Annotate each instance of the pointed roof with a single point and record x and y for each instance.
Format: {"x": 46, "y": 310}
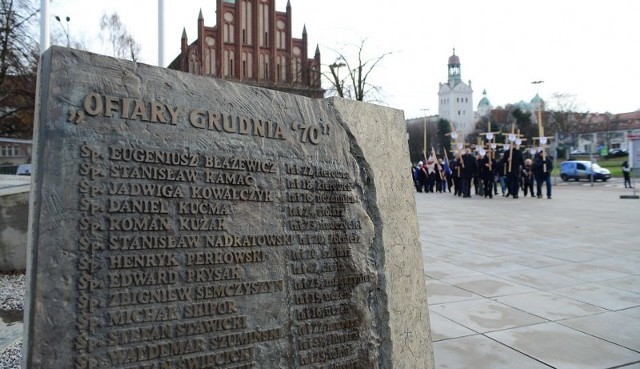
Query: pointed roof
{"x": 454, "y": 59}
{"x": 484, "y": 101}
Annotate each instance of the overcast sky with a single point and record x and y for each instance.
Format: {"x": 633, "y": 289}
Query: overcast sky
{"x": 585, "y": 48}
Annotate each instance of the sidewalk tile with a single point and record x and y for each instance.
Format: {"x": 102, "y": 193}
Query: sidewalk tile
{"x": 612, "y": 326}
{"x": 599, "y": 295}
{"x": 487, "y": 285}
{"x": 480, "y": 352}
{"x": 550, "y": 306}
{"x": 566, "y": 348}
{"x": 485, "y": 315}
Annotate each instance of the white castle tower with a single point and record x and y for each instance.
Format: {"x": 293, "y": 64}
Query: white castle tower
{"x": 456, "y": 98}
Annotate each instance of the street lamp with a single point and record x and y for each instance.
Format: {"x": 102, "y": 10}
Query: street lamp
{"x": 66, "y": 31}
{"x": 424, "y": 147}
{"x": 539, "y": 105}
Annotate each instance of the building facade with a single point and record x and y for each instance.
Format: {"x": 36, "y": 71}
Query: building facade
{"x": 14, "y": 151}
{"x": 593, "y": 132}
{"x": 252, "y": 43}
{"x": 456, "y": 98}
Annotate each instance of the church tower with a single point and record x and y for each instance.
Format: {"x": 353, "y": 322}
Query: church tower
{"x": 484, "y": 105}
{"x": 253, "y": 43}
{"x": 456, "y": 98}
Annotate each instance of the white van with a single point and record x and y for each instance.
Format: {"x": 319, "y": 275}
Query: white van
{"x": 23, "y": 170}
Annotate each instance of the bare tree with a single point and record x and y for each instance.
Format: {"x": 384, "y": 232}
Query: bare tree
{"x": 355, "y": 85}
{"x": 121, "y": 42}
{"x": 18, "y": 67}
{"x": 563, "y": 118}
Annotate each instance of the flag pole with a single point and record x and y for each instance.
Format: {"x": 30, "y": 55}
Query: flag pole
{"x": 44, "y": 26}
{"x": 161, "y": 33}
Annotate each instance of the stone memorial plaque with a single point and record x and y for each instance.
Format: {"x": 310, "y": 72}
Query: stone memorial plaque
{"x": 182, "y": 222}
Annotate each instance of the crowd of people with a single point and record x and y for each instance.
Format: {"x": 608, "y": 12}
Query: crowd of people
{"x": 511, "y": 173}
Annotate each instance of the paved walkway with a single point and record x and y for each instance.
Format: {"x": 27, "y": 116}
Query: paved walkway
{"x": 534, "y": 283}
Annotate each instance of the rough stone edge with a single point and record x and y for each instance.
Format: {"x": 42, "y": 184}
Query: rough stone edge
{"x": 377, "y": 130}
{"x": 40, "y": 116}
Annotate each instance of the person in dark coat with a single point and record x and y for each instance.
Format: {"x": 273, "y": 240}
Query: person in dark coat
{"x": 423, "y": 177}
{"x": 514, "y": 164}
{"x": 468, "y": 171}
{"x": 542, "y": 168}
{"x": 487, "y": 166}
{"x": 527, "y": 178}
{"x": 626, "y": 172}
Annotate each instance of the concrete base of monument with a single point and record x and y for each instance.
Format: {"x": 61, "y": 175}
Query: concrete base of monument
{"x": 14, "y": 214}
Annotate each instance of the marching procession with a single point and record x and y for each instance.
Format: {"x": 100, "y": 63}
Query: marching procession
{"x": 513, "y": 171}
{"x": 488, "y": 176}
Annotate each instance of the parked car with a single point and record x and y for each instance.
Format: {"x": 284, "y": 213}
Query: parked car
{"x": 617, "y": 153}
{"x": 579, "y": 152}
{"x": 582, "y": 169}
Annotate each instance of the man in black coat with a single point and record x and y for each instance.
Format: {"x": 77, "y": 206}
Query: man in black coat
{"x": 468, "y": 171}
{"x": 542, "y": 168}
{"x": 487, "y": 167}
{"x": 514, "y": 164}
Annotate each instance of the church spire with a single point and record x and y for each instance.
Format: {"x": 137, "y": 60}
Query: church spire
{"x": 455, "y": 75}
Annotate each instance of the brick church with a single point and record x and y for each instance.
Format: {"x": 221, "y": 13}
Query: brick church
{"x": 252, "y": 43}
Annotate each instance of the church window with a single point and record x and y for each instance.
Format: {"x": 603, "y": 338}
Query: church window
{"x": 263, "y": 29}
{"x": 246, "y": 24}
{"x": 228, "y": 33}
{"x": 295, "y": 69}
{"x": 458, "y": 112}
{"x": 212, "y": 62}
{"x": 193, "y": 64}
{"x": 206, "y": 63}
{"x": 228, "y": 65}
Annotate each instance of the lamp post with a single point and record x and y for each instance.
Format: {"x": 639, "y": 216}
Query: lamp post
{"x": 424, "y": 147}
{"x": 161, "y": 33}
{"x": 65, "y": 30}
{"x": 539, "y": 109}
